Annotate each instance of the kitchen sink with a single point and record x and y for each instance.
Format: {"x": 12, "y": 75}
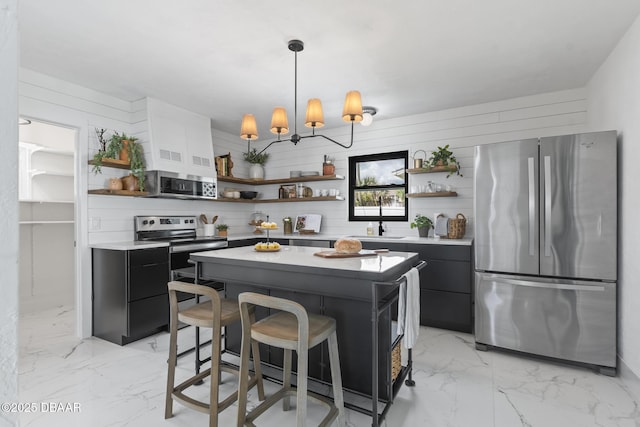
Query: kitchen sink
{"x": 377, "y": 237}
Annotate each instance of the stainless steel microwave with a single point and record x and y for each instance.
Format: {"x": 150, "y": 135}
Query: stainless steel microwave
{"x": 179, "y": 185}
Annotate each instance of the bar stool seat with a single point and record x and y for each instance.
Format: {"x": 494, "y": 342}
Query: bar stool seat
{"x": 215, "y": 314}
{"x": 292, "y": 328}
{"x": 201, "y": 314}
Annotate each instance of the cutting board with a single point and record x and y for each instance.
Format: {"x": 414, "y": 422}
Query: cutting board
{"x": 362, "y": 253}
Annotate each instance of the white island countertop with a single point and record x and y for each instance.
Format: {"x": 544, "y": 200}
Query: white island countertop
{"x": 302, "y": 259}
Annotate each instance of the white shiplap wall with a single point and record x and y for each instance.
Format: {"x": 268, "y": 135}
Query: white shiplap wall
{"x": 462, "y": 128}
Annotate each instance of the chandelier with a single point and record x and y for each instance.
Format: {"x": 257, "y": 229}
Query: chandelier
{"x": 352, "y": 112}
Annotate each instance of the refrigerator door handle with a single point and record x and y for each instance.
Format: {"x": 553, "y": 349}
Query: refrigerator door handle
{"x": 562, "y": 286}
{"x": 547, "y": 205}
{"x": 532, "y": 206}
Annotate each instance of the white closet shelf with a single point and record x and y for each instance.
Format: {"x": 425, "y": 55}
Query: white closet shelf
{"x": 45, "y": 201}
{"x": 36, "y": 172}
{"x": 46, "y": 222}
{"x": 33, "y": 148}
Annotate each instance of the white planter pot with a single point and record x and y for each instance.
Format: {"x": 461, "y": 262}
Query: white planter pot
{"x": 256, "y": 171}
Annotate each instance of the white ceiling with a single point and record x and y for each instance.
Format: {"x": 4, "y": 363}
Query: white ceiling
{"x": 228, "y": 57}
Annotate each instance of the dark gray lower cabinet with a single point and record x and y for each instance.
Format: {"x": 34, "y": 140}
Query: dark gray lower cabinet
{"x": 446, "y": 298}
{"x": 130, "y": 299}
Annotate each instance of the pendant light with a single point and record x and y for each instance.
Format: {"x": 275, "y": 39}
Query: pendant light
{"x": 314, "y": 118}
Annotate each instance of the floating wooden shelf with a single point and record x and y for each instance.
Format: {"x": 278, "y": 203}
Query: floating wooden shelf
{"x": 107, "y": 192}
{"x": 296, "y": 199}
{"x": 436, "y": 169}
{"x": 436, "y": 194}
{"x": 113, "y": 163}
{"x": 252, "y": 181}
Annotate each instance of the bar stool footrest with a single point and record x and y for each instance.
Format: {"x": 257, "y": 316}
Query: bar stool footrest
{"x": 197, "y": 405}
{"x": 291, "y": 392}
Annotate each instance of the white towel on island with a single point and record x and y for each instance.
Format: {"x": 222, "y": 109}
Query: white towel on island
{"x": 409, "y": 313}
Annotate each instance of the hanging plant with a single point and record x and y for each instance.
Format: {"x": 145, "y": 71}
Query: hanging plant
{"x": 443, "y": 157}
{"x": 112, "y": 151}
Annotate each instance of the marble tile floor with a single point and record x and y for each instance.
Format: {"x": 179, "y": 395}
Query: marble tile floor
{"x": 455, "y": 385}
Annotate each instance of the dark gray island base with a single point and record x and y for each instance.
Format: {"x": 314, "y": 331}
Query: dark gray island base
{"x": 360, "y": 293}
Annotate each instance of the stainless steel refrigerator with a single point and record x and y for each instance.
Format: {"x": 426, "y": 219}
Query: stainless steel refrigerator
{"x": 545, "y": 247}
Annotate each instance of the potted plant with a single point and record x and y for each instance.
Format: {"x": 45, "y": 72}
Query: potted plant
{"x": 257, "y": 160}
{"x": 222, "y": 230}
{"x": 125, "y": 148}
{"x": 423, "y": 224}
{"x": 442, "y": 157}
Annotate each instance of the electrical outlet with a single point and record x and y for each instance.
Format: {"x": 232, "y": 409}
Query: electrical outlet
{"x": 95, "y": 223}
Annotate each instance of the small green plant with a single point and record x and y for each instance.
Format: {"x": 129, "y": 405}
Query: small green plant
{"x": 222, "y": 227}
{"x": 422, "y": 221}
{"x": 443, "y": 157}
{"x": 423, "y": 224}
{"x": 256, "y": 158}
{"x": 112, "y": 151}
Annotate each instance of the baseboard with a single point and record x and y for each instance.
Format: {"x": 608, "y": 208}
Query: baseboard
{"x": 629, "y": 378}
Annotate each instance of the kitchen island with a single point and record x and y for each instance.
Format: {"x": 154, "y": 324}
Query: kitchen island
{"x": 360, "y": 293}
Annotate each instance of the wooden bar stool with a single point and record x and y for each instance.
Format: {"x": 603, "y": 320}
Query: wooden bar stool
{"x": 215, "y": 314}
{"x": 291, "y": 328}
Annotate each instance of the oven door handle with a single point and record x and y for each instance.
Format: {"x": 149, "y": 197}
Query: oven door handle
{"x": 196, "y": 247}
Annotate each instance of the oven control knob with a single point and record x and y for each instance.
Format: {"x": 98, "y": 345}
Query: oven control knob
{"x": 191, "y": 221}
{"x": 145, "y": 222}
{"x": 152, "y": 222}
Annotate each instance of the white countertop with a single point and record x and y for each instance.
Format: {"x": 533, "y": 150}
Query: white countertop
{"x": 129, "y": 245}
{"x": 302, "y": 258}
{"x": 278, "y": 234}
{"x": 132, "y": 245}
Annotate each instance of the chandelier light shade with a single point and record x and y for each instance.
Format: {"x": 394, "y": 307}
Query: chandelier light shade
{"x": 314, "y": 118}
{"x": 352, "y": 111}
{"x": 279, "y": 122}
{"x": 249, "y": 129}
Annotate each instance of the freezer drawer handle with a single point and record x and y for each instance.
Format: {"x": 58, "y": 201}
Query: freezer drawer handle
{"x": 532, "y": 206}
{"x": 562, "y": 286}
{"x": 547, "y": 205}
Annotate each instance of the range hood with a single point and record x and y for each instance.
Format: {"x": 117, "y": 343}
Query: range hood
{"x": 179, "y": 140}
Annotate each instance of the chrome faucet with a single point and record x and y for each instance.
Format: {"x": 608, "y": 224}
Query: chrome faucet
{"x": 380, "y": 227}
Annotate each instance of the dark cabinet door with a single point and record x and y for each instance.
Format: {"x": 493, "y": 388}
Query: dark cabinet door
{"x": 148, "y": 281}
{"x": 443, "y": 275}
{"x": 147, "y": 314}
{"x": 446, "y": 310}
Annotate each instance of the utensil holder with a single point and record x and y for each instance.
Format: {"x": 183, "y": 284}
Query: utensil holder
{"x": 209, "y": 229}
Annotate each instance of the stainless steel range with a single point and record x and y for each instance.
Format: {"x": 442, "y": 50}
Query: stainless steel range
{"x": 180, "y": 233}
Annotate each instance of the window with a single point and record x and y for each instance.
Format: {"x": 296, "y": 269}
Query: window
{"x": 377, "y": 187}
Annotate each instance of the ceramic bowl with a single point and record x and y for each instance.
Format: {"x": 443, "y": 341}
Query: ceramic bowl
{"x": 248, "y": 194}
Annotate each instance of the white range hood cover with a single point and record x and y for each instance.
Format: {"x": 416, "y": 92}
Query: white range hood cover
{"x": 180, "y": 140}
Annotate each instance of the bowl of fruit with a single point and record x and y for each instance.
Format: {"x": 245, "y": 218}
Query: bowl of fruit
{"x": 267, "y": 247}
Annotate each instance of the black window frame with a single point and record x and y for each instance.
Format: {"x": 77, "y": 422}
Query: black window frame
{"x": 353, "y": 160}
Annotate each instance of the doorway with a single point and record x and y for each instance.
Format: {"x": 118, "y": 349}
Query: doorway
{"x": 47, "y": 270}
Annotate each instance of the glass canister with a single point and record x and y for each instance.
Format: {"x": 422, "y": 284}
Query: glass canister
{"x": 328, "y": 167}
{"x": 288, "y": 225}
